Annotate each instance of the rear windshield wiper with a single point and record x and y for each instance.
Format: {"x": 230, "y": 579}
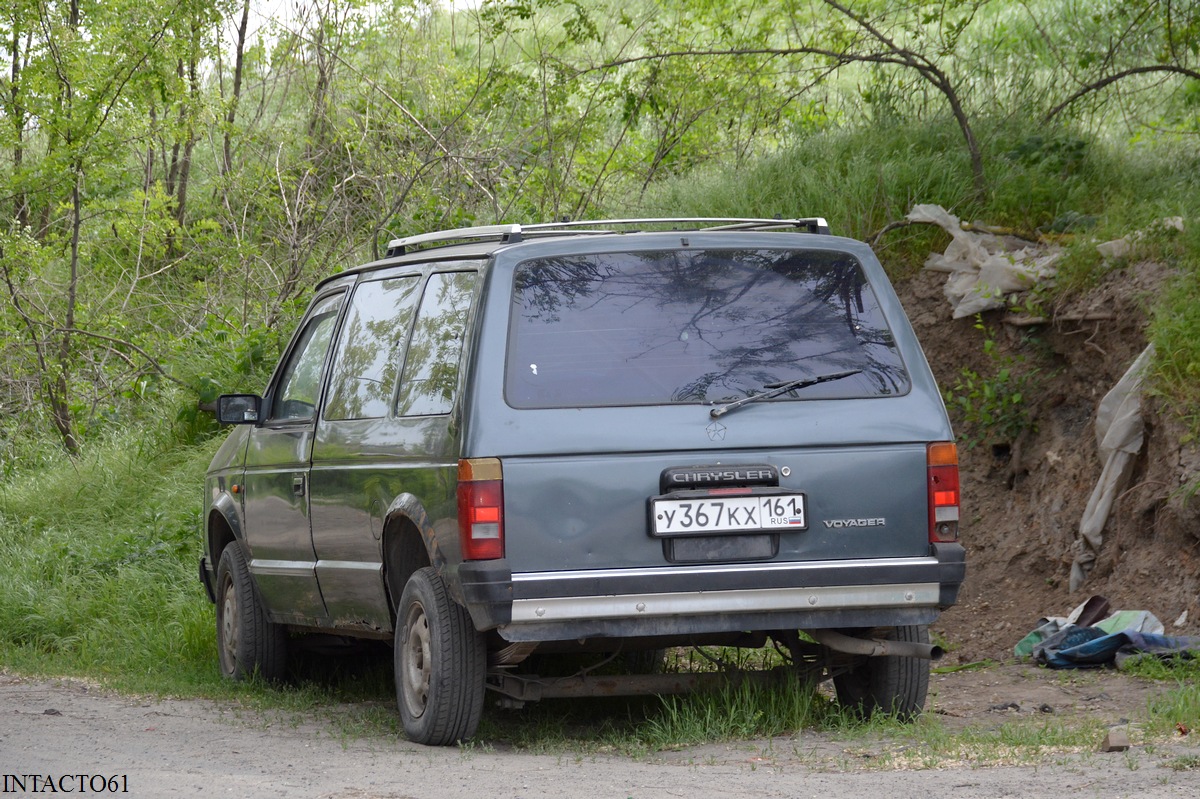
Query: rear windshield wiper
{"x": 780, "y": 388}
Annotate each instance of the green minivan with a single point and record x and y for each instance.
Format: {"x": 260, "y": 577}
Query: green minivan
{"x": 500, "y": 445}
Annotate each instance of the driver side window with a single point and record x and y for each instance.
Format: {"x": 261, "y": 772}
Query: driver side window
{"x": 300, "y": 383}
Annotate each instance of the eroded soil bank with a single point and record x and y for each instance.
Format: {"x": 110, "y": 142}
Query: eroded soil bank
{"x": 1024, "y": 495}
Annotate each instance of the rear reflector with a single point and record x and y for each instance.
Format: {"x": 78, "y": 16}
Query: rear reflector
{"x": 480, "y": 509}
{"x": 942, "y": 464}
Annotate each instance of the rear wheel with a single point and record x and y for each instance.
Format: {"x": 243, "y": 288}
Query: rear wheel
{"x": 644, "y": 661}
{"x": 440, "y": 663}
{"x": 248, "y": 643}
{"x": 892, "y": 685}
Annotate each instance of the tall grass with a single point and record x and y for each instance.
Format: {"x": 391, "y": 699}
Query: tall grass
{"x": 738, "y": 712}
{"x": 98, "y": 572}
{"x": 858, "y": 179}
{"x": 1175, "y": 331}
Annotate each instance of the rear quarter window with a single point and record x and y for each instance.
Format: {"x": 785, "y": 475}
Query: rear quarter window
{"x": 695, "y": 326}
{"x": 432, "y": 363}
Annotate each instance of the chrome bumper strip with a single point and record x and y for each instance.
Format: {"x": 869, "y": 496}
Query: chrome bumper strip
{"x": 558, "y": 609}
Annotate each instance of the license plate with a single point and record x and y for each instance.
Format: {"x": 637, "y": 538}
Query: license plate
{"x": 726, "y": 514}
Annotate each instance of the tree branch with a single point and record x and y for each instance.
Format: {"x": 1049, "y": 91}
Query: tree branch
{"x": 122, "y": 343}
{"x": 1116, "y": 76}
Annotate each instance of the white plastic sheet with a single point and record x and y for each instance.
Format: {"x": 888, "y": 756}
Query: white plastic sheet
{"x": 1119, "y": 436}
{"x": 982, "y": 268}
{"x": 1120, "y": 248}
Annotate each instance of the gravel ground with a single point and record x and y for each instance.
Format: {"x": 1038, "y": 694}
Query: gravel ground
{"x": 168, "y": 747}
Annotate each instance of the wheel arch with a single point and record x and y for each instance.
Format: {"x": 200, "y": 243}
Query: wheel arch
{"x": 223, "y": 526}
{"x": 409, "y": 543}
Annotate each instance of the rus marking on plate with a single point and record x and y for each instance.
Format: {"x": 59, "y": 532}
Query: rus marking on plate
{"x": 716, "y": 431}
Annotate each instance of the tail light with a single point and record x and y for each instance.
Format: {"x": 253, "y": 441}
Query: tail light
{"x": 480, "y": 509}
{"x": 942, "y": 461}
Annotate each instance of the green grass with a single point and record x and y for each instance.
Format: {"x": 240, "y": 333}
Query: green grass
{"x": 98, "y": 567}
{"x": 1179, "y": 705}
{"x": 739, "y": 712}
{"x": 859, "y": 180}
{"x": 1175, "y": 332}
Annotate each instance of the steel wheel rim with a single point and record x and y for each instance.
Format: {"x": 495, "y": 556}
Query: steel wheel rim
{"x": 416, "y": 667}
{"x": 230, "y": 626}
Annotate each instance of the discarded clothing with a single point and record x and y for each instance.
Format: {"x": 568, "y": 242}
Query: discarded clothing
{"x": 1084, "y": 640}
{"x": 1091, "y": 647}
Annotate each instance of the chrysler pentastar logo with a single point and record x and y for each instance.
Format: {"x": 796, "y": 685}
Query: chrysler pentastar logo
{"x": 716, "y": 431}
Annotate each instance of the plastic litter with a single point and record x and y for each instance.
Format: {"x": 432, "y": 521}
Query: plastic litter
{"x": 983, "y": 267}
{"x": 1119, "y": 436}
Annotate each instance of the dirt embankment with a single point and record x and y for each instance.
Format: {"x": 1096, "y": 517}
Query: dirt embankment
{"x": 1023, "y": 499}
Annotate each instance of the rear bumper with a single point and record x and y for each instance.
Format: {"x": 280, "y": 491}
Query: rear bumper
{"x": 564, "y": 605}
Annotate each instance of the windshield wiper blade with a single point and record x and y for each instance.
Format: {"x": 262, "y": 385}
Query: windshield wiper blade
{"x": 781, "y": 388}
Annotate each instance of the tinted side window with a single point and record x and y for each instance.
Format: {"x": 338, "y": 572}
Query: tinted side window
{"x": 695, "y": 326}
{"x": 431, "y": 366}
{"x": 300, "y": 383}
{"x": 369, "y": 351}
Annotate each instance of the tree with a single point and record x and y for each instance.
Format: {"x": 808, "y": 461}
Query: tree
{"x": 1126, "y": 43}
{"x": 76, "y": 68}
{"x": 918, "y": 37}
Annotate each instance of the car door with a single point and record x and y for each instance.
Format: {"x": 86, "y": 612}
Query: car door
{"x": 275, "y": 485}
{"x": 384, "y": 441}
{"x": 355, "y": 451}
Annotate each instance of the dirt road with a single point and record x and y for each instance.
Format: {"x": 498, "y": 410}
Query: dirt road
{"x": 83, "y": 737}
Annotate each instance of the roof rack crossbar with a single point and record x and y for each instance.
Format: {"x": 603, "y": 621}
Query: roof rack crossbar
{"x": 509, "y": 232}
{"x": 513, "y": 232}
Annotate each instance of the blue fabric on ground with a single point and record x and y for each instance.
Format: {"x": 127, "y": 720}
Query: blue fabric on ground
{"x": 1050, "y": 652}
{"x": 1091, "y": 647}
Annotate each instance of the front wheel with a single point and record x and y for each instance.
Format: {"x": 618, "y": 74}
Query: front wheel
{"x": 248, "y": 643}
{"x": 895, "y": 686}
{"x": 440, "y": 663}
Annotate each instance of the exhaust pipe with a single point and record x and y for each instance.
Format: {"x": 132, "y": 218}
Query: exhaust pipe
{"x": 875, "y": 647}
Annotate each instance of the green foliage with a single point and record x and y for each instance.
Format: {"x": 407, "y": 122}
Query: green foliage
{"x": 1178, "y": 706}
{"x": 738, "y": 712}
{"x": 198, "y": 206}
{"x": 98, "y": 568}
{"x": 1041, "y": 177}
{"x": 993, "y": 406}
{"x": 879, "y": 173}
{"x": 1175, "y": 332}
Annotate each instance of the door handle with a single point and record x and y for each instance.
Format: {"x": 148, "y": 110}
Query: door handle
{"x": 298, "y": 486}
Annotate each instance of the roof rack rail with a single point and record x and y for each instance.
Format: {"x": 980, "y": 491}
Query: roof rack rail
{"x": 512, "y": 233}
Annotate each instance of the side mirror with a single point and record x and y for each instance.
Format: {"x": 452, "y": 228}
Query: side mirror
{"x": 238, "y": 408}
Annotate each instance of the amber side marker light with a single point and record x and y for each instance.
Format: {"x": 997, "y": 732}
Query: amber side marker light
{"x": 480, "y": 508}
{"x": 941, "y": 460}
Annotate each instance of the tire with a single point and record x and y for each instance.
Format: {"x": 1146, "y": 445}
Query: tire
{"x": 440, "y": 663}
{"x": 895, "y": 686}
{"x": 247, "y": 642}
{"x": 644, "y": 661}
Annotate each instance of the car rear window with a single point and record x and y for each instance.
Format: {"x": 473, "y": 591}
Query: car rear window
{"x": 695, "y": 326}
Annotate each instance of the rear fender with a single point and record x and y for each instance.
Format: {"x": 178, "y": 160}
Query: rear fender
{"x": 407, "y": 531}
{"x": 407, "y": 508}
